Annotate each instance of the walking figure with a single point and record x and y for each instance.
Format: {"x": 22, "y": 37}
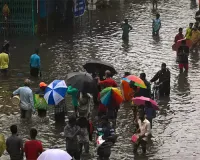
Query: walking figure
{"x": 155, "y": 3}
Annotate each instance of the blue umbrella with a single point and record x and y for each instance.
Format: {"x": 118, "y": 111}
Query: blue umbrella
{"x": 55, "y": 92}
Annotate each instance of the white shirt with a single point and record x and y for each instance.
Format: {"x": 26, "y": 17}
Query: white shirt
{"x": 145, "y": 128}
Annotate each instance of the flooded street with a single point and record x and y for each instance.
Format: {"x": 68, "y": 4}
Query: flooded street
{"x": 176, "y": 127}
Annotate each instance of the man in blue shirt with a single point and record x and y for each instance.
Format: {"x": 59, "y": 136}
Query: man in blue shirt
{"x": 35, "y": 64}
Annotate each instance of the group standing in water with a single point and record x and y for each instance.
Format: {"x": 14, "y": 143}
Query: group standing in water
{"x": 79, "y": 129}
{"x": 185, "y": 44}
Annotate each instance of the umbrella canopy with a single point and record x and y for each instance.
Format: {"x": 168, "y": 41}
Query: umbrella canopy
{"x": 111, "y": 96}
{"x": 178, "y": 44}
{"x": 137, "y": 81}
{"x": 55, "y": 92}
{"x": 54, "y": 154}
{"x": 82, "y": 81}
{"x": 141, "y": 101}
{"x": 94, "y": 65}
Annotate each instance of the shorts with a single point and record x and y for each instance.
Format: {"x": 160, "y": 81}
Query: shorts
{"x": 34, "y": 72}
{"x": 183, "y": 65}
{"x": 26, "y": 114}
{"x": 4, "y": 71}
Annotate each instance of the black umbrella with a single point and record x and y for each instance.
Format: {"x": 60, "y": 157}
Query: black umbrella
{"x": 82, "y": 81}
{"x": 100, "y": 66}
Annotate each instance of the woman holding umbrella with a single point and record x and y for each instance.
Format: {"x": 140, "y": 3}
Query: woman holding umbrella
{"x": 55, "y": 95}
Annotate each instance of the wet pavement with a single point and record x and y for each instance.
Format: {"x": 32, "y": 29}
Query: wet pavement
{"x": 176, "y": 126}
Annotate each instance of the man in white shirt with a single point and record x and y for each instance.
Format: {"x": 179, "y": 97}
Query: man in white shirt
{"x": 26, "y": 100}
{"x": 145, "y": 131}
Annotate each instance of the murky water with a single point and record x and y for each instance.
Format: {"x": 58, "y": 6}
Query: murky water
{"x": 176, "y": 127}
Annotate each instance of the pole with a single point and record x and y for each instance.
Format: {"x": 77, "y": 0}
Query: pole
{"x": 33, "y": 17}
{"x": 47, "y": 25}
{"x": 91, "y": 20}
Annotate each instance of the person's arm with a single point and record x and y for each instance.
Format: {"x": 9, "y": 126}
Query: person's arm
{"x": 156, "y": 77}
{"x": 71, "y": 90}
{"x": 25, "y": 149}
{"x": 8, "y": 60}
{"x": 21, "y": 148}
{"x": 115, "y": 84}
{"x": 7, "y": 147}
{"x": 148, "y": 132}
{"x": 130, "y": 27}
{"x": 16, "y": 92}
{"x": 101, "y": 82}
{"x": 186, "y": 32}
{"x": 175, "y": 39}
{"x": 39, "y": 65}
{"x": 40, "y": 148}
{"x": 160, "y": 25}
{"x": 30, "y": 60}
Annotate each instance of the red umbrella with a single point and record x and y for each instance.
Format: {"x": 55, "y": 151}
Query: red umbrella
{"x": 141, "y": 101}
{"x": 178, "y": 44}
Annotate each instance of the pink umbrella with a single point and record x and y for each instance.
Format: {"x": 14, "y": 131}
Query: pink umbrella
{"x": 142, "y": 100}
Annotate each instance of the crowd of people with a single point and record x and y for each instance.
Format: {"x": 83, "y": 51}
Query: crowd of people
{"x": 185, "y": 44}
{"x": 80, "y": 128}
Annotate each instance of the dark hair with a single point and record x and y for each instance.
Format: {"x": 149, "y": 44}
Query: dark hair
{"x": 183, "y": 42}
{"x": 191, "y": 24}
{"x": 33, "y": 133}
{"x": 180, "y": 29}
{"x": 143, "y": 75}
{"x": 13, "y": 129}
{"x": 72, "y": 119}
{"x": 127, "y": 73}
{"x": 158, "y": 15}
{"x": 164, "y": 65}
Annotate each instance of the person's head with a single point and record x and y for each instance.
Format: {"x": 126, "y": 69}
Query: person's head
{"x": 27, "y": 82}
{"x": 142, "y": 116}
{"x": 126, "y": 21}
{"x": 148, "y": 104}
{"x": 107, "y": 74}
{"x": 13, "y": 129}
{"x": 191, "y": 25}
{"x": 196, "y": 25}
{"x": 132, "y": 85}
{"x": 104, "y": 119}
{"x": 157, "y": 15}
{"x": 127, "y": 74}
{"x": 180, "y": 30}
{"x": 72, "y": 121}
{"x": 163, "y": 66}
{"x": 42, "y": 85}
{"x": 37, "y": 51}
{"x": 143, "y": 76}
{"x": 33, "y": 133}
{"x": 183, "y": 42}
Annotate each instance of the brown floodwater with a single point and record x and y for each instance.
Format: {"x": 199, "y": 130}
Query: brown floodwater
{"x": 176, "y": 127}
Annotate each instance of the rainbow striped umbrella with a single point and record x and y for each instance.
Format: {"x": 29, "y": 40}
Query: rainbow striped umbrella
{"x": 137, "y": 81}
{"x": 111, "y": 96}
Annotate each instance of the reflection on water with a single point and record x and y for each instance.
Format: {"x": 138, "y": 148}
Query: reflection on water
{"x": 68, "y": 49}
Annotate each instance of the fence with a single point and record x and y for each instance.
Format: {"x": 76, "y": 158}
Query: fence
{"x": 20, "y": 19}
